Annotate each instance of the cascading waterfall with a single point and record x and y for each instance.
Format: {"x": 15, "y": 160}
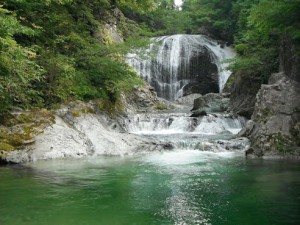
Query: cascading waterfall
{"x": 183, "y": 64}
{"x": 185, "y": 132}
{"x": 167, "y": 123}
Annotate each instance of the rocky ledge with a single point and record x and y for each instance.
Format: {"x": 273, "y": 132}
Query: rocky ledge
{"x": 77, "y": 130}
{"x": 75, "y": 133}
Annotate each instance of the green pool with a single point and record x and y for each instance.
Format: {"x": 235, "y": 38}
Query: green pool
{"x": 176, "y": 187}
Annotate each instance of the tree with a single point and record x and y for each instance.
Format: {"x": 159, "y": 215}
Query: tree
{"x": 18, "y": 70}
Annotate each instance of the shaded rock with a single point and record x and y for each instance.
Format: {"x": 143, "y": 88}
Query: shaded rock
{"x": 243, "y": 95}
{"x": 290, "y": 58}
{"x": 168, "y": 146}
{"x": 209, "y": 103}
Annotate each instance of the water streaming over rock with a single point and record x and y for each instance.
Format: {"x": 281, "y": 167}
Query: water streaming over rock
{"x": 185, "y": 132}
{"x": 183, "y": 64}
{"x": 180, "y": 65}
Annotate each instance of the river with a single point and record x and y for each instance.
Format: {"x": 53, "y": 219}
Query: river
{"x": 175, "y": 187}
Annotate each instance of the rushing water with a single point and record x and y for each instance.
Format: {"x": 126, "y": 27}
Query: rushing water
{"x": 177, "y": 187}
{"x": 180, "y": 60}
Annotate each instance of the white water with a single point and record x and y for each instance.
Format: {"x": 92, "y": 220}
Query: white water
{"x": 169, "y": 71}
{"x": 208, "y": 133}
{"x": 181, "y": 60}
{"x": 175, "y": 123}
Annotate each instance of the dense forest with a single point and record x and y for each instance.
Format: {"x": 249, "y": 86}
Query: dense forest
{"x": 53, "y": 51}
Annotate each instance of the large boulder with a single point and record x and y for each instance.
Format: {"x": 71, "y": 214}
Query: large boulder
{"x": 210, "y": 103}
{"x": 274, "y": 126}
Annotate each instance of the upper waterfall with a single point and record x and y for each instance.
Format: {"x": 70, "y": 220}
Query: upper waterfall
{"x": 183, "y": 64}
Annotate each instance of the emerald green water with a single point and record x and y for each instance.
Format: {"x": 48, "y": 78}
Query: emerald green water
{"x": 180, "y": 187}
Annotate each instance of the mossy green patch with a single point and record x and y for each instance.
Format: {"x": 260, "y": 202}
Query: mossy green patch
{"x": 6, "y": 147}
{"x": 161, "y": 106}
{"x": 20, "y": 128}
{"x": 280, "y": 143}
{"x": 264, "y": 114}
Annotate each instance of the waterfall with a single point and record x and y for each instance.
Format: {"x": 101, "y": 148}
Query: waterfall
{"x": 180, "y": 65}
{"x": 183, "y": 64}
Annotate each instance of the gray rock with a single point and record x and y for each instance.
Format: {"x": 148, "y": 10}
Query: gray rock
{"x": 209, "y": 103}
{"x": 82, "y": 135}
{"x": 273, "y": 128}
{"x": 188, "y": 100}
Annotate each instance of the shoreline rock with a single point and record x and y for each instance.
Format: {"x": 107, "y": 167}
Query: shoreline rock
{"x": 275, "y": 124}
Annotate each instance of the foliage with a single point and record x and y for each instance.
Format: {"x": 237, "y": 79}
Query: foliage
{"x": 50, "y": 52}
{"x": 56, "y": 50}
{"x": 257, "y": 41}
{"x": 18, "y": 71}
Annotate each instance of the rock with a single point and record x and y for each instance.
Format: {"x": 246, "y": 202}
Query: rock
{"x": 289, "y": 58}
{"x": 188, "y": 100}
{"x": 249, "y": 152}
{"x": 79, "y": 132}
{"x": 168, "y": 146}
{"x": 143, "y": 99}
{"x": 209, "y": 103}
{"x": 236, "y": 144}
{"x": 273, "y": 126}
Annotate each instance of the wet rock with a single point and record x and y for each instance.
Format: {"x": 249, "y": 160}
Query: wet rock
{"x": 236, "y": 144}
{"x": 168, "y": 146}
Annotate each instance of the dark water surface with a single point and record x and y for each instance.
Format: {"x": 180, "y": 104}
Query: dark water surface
{"x": 180, "y": 187}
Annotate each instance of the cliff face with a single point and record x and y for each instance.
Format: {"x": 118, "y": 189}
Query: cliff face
{"x": 274, "y": 128}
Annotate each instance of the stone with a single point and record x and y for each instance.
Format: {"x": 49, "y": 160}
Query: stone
{"x": 209, "y": 103}
{"x": 77, "y": 135}
{"x": 276, "y": 114}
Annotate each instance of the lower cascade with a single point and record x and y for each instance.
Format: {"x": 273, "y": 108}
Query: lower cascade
{"x": 183, "y": 132}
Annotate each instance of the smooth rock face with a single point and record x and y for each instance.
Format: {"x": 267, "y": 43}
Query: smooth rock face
{"x": 274, "y": 124}
{"x": 209, "y": 103}
{"x": 88, "y": 134}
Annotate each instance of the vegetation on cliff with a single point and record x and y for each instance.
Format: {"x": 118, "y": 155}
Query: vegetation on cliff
{"x": 56, "y": 50}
